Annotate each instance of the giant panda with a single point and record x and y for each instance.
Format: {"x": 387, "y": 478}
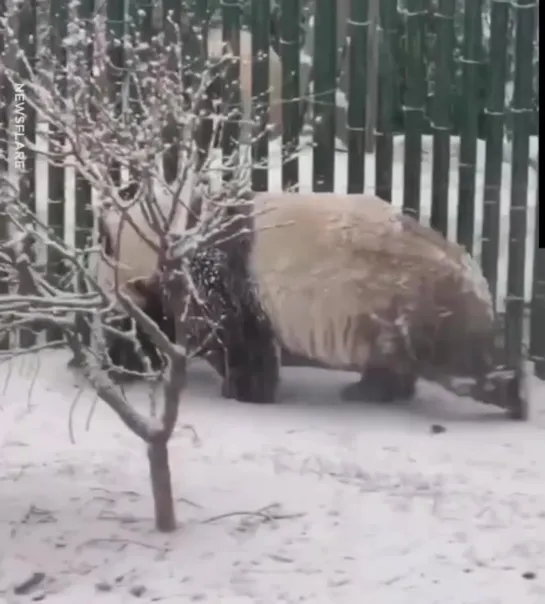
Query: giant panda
{"x": 347, "y": 282}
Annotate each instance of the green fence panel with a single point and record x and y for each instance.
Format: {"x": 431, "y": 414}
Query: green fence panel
{"x": 291, "y": 106}
{"x": 201, "y": 10}
{"x": 357, "y": 94}
{"x": 26, "y": 164}
{"x": 260, "y": 16}
{"x": 83, "y": 202}
{"x": 115, "y": 24}
{"x": 471, "y": 59}
{"x": 6, "y": 96}
{"x": 495, "y": 123}
{"x": 58, "y": 21}
{"x": 231, "y": 15}
{"x": 537, "y": 317}
{"x": 172, "y": 16}
{"x": 388, "y": 95}
{"x": 325, "y": 85}
{"x": 441, "y": 125}
{"x": 522, "y": 111}
{"x": 414, "y": 105}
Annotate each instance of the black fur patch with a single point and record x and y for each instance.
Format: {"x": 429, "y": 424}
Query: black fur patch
{"x": 239, "y": 338}
{"x": 381, "y": 385}
{"x": 123, "y": 353}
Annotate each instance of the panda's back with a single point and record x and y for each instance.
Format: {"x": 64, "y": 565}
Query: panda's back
{"x": 328, "y": 265}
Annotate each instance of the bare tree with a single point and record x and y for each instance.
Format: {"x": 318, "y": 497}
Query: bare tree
{"x": 99, "y": 137}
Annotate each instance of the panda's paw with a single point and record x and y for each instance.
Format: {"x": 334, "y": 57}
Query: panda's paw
{"x": 76, "y": 362}
{"x": 355, "y": 392}
{"x": 227, "y": 390}
{"x": 380, "y": 386}
{"x": 250, "y": 389}
{"x": 367, "y": 392}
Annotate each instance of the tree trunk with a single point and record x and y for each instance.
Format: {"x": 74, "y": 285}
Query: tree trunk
{"x": 161, "y": 486}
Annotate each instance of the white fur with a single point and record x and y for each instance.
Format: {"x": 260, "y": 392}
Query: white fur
{"x": 135, "y": 258}
{"x": 324, "y": 262}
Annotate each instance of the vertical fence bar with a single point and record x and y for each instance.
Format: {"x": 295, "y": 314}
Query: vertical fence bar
{"x": 495, "y": 122}
{"x": 138, "y": 50}
{"x": 27, "y": 164}
{"x": 27, "y": 44}
{"x": 260, "y": 15}
{"x": 6, "y": 95}
{"x": 471, "y": 58}
{"x": 192, "y": 18}
{"x": 231, "y": 13}
{"x": 325, "y": 86}
{"x": 522, "y": 110}
{"x": 441, "y": 119}
{"x": 115, "y": 70}
{"x": 83, "y": 202}
{"x": 290, "y": 16}
{"x": 537, "y": 318}
{"x": 58, "y": 21}
{"x": 172, "y": 16}
{"x": 387, "y": 98}
{"x": 358, "y": 26}
{"x": 201, "y": 11}
{"x": 414, "y": 106}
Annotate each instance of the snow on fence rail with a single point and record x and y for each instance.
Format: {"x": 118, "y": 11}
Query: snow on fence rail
{"x": 483, "y": 193}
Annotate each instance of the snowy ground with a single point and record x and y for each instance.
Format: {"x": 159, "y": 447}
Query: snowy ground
{"x": 377, "y": 507}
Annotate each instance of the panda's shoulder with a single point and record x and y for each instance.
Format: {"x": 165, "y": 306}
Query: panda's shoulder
{"x": 208, "y": 263}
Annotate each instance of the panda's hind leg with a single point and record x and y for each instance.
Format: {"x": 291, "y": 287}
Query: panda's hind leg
{"x": 382, "y": 385}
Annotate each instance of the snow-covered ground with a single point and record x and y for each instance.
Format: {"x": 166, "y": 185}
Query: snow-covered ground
{"x": 375, "y": 504}
{"x": 312, "y": 500}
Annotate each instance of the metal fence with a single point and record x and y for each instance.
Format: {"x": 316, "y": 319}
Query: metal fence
{"x": 440, "y": 73}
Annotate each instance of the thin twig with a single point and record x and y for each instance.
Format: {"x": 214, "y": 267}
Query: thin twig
{"x": 265, "y": 513}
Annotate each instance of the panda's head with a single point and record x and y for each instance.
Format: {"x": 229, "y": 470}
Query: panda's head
{"x": 127, "y": 250}
{"x": 125, "y": 263}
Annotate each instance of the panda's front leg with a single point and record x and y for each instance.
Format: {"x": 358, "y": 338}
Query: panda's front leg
{"x": 252, "y": 375}
{"x": 381, "y": 384}
{"x": 248, "y": 375}
{"x": 251, "y": 364}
